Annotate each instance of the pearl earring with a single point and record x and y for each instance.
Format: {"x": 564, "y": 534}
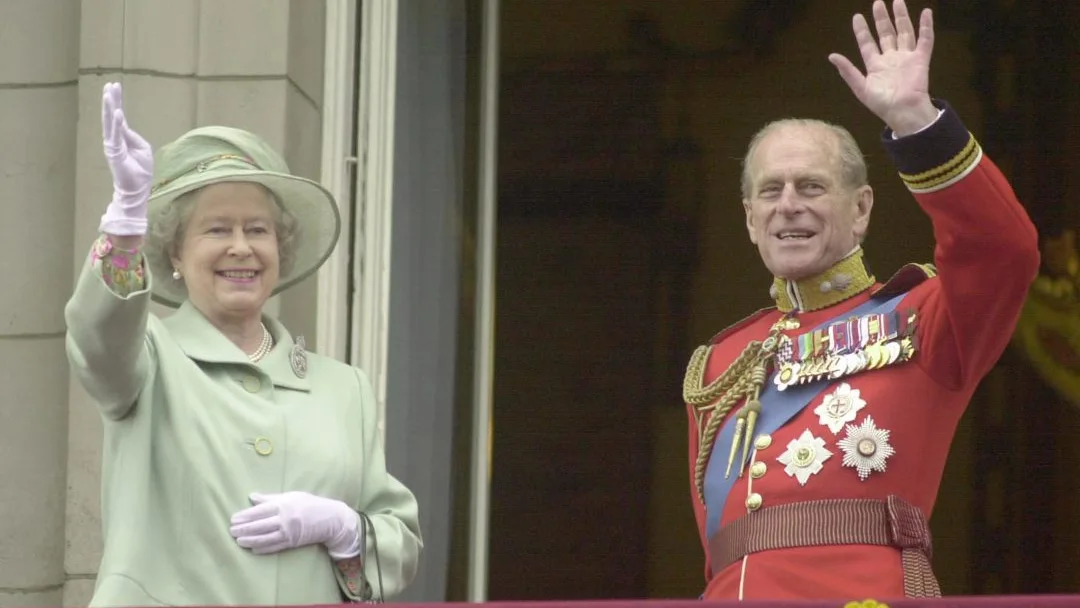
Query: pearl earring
{"x": 176, "y": 275}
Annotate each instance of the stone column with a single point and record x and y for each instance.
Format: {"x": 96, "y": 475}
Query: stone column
{"x": 37, "y": 128}
{"x": 253, "y": 64}
{"x": 303, "y": 139}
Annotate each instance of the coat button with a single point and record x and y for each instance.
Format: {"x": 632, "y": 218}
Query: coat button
{"x": 263, "y": 446}
{"x": 758, "y": 469}
{"x": 762, "y": 442}
{"x": 753, "y": 502}
{"x": 252, "y": 384}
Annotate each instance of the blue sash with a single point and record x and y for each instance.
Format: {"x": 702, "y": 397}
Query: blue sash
{"x": 777, "y": 408}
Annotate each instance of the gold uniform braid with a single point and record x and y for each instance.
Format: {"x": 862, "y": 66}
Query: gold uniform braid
{"x": 743, "y": 379}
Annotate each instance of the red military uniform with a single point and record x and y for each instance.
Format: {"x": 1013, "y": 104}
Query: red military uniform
{"x": 868, "y": 426}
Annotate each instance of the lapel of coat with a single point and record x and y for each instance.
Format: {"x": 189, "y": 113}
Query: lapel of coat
{"x": 201, "y": 341}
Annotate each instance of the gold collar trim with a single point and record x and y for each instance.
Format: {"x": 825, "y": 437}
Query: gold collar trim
{"x": 847, "y": 278}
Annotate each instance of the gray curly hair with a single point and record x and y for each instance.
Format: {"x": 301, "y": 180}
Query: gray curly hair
{"x": 167, "y": 229}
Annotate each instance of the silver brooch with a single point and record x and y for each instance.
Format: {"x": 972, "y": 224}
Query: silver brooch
{"x": 298, "y": 357}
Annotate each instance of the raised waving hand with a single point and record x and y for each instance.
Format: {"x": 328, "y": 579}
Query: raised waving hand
{"x": 896, "y": 84}
{"x": 131, "y": 160}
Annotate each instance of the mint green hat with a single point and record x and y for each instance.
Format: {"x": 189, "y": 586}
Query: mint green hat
{"x": 212, "y": 155}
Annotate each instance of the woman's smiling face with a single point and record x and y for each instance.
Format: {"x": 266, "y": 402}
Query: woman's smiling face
{"x": 228, "y": 257}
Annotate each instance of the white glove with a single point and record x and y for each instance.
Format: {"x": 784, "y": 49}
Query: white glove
{"x": 131, "y": 160}
{"x": 296, "y": 519}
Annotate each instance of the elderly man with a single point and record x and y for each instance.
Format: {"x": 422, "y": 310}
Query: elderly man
{"x": 819, "y": 427}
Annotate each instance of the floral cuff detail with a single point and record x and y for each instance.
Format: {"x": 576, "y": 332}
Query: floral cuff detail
{"x": 122, "y": 270}
{"x": 350, "y": 575}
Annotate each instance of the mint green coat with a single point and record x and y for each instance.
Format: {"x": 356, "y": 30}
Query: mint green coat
{"x": 192, "y": 428}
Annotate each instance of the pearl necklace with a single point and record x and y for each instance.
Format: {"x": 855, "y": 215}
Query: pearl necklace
{"x": 264, "y": 346}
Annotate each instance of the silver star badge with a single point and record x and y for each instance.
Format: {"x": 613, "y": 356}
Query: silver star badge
{"x": 804, "y": 457}
{"x": 866, "y": 448}
{"x": 839, "y": 407}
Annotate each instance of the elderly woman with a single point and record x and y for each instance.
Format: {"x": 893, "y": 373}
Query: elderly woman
{"x": 238, "y": 467}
